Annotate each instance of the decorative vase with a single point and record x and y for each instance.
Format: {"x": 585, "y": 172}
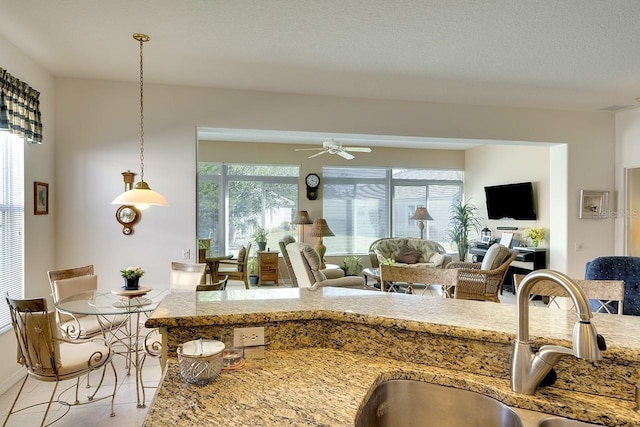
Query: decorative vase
{"x": 262, "y": 246}
{"x": 131, "y": 284}
{"x": 534, "y": 243}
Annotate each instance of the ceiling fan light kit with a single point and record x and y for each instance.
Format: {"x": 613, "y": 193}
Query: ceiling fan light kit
{"x": 332, "y": 146}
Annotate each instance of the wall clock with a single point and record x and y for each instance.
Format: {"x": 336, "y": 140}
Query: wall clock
{"x": 313, "y": 184}
{"x": 127, "y": 216}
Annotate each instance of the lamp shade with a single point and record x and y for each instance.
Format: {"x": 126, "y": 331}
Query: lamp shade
{"x": 320, "y": 229}
{"x": 141, "y": 196}
{"x": 302, "y": 217}
{"x": 422, "y": 214}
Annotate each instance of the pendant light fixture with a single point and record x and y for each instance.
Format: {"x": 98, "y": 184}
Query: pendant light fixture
{"x": 141, "y": 196}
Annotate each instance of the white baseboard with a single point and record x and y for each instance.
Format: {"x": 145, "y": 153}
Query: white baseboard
{"x": 11, "y": 380}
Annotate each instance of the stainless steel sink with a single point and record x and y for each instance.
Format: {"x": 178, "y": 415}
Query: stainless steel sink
{"x": 562, "y": 422}
{"x": 399, "y": 403}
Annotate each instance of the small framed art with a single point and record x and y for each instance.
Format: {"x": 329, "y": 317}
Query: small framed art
{"x": 594, "y": 204}
{"x": 40, "y": 198}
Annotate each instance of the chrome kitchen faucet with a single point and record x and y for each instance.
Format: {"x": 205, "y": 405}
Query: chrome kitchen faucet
{"x": 529, "y": 369}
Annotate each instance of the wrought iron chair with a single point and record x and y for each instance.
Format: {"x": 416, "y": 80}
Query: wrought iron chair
{"x": 68, "y": 282}
{"x": 52, "y": 359}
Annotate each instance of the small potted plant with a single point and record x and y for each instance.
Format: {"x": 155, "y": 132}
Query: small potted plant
{"x": 252, "y": 265}
{"x": 260, "y": 237}
{"x": 536, "y": 235}
{"x": 131, "y": 277}
{"x": 352, "y": 266}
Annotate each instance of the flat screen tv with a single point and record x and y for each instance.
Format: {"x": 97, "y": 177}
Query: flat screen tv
{"x": 511, "y": 201}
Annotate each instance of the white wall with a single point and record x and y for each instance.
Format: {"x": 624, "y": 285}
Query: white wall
{"x": 97, "y": 140}
{"x": 500, "y": 164}
{"x": 38, "y": 166}
{"x": 627, "y": 156}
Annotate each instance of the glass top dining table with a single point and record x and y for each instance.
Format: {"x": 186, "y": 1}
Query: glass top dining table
{"x": 125, "y": 338}
{"x": 113, "y": 302}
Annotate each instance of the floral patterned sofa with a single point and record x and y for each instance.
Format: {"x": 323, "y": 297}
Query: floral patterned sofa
{"x": 409, "y": 251}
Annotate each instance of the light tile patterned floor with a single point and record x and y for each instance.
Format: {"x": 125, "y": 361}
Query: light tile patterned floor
{"x": 96, "y": 414}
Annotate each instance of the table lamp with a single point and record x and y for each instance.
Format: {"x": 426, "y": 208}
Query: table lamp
{"x": 320, "y": 229}
{"x": 421, "y": 215}
{"x": 301, "y": 218}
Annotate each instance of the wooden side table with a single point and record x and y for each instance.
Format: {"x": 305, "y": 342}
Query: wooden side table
{"x": 267, "y": 267}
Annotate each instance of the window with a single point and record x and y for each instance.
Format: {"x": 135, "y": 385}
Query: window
{"x": 11, "y": 220}
{"x": 245, "y": 196}
{"x": 365, "y": 204}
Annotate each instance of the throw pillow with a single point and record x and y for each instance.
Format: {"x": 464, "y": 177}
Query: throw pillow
{"x": 408, "y": 255}
{"x": 436, "y": 259}
{"x": 495, "y": 256}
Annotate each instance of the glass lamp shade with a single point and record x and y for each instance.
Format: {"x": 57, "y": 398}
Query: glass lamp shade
{"x": 302, "y": 217}
{"x": 141, "y": 197}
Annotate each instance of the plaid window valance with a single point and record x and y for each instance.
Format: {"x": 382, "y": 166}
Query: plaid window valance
{"x": 20, "y": 108}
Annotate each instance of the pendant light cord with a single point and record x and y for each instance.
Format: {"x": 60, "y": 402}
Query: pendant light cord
{"x": 141, "y": 38}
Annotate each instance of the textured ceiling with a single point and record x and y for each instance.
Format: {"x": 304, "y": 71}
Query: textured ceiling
{"x": 560, "y": 54}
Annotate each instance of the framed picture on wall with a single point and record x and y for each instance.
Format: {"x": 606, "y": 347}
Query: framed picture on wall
{"x": 594, "y": 204}
{"x": 40, "y": 198}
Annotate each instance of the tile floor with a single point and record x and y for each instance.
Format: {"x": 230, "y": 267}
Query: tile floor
{"x": 96, "y": 414}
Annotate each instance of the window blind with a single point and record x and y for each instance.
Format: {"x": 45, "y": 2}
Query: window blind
{"x": 11, "y": 221}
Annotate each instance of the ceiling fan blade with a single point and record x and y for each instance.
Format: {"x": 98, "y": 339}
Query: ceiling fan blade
{"x": 317, "y": 154}
{"x": 345, "y": 155}
{"x": 308, "y": 149}
{"x": 358, "y": 149}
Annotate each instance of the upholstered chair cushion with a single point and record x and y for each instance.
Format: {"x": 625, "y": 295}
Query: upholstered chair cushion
{"x": 408, "y": 255}
{"x": 496, "y": 254}
{"x": 624, "y": 268}
{"x": 313, "y": 259}
{"x": 66, "y": 287}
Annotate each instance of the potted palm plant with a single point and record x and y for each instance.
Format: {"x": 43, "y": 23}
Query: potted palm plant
{"x": 462, "y": 222}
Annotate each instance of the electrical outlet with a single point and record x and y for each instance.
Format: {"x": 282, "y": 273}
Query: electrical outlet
{"x": 248, "y": 337}
{"x": 186, "y": 254}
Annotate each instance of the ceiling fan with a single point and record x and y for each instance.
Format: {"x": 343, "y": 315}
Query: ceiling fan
{"x": 332, "y": 146}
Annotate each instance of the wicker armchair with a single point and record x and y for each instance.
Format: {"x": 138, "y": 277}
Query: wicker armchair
{"x": 482, "y": 281}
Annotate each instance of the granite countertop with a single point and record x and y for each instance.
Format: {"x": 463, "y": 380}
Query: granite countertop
{"x": 473, "y": 319}
{"x": 310, "y": 384}
{"x": 324, "y": 387}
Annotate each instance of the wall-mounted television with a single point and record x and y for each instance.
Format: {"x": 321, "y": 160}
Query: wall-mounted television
{"x": 511, "y": 201}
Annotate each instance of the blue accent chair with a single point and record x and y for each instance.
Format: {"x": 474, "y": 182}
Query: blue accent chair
{"x": 618, "y": 268}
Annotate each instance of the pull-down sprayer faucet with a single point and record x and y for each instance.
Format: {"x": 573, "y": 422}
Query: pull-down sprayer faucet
{"x": 528, "y": 369}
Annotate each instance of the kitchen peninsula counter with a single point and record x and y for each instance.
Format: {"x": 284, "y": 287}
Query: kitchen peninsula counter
{"x": 326, "y": 349}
